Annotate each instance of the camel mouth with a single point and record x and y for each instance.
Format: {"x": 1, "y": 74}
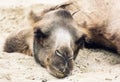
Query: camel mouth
{"x": 56, "y": 73}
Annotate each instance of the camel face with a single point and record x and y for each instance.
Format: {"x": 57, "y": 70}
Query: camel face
{"x": 56, "y": 42}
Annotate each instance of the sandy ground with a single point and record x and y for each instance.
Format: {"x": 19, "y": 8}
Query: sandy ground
{"x": 90, "y": 65}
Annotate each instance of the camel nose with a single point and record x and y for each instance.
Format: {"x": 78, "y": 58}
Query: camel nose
{"x": 63, "y": 68}
{"x": 66, "y": 55}
{"x": 59, "y": 53}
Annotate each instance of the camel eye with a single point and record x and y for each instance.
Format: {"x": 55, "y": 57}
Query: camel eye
{"x": 39, "y": 34}
{"x": 80, "y": 41}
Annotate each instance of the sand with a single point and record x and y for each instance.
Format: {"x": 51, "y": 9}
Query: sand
{"x": 91, "y": 65}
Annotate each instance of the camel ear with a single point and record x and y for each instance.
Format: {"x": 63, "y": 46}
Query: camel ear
{"x": 33, "y": 18}
{"x": 64, "y": 5}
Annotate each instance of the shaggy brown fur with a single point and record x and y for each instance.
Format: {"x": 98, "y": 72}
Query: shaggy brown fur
{"x": 100, "y": 19}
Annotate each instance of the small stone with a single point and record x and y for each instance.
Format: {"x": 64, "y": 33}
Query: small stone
{"x": 108, "y": 79}
{"x": 45, "y": 80}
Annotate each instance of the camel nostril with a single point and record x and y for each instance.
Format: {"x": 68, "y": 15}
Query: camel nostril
{"x": 58, "y": 53}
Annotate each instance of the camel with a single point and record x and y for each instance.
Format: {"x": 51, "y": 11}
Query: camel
{"x": 58, "y": 33}
{"x": 53, "y": 40}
